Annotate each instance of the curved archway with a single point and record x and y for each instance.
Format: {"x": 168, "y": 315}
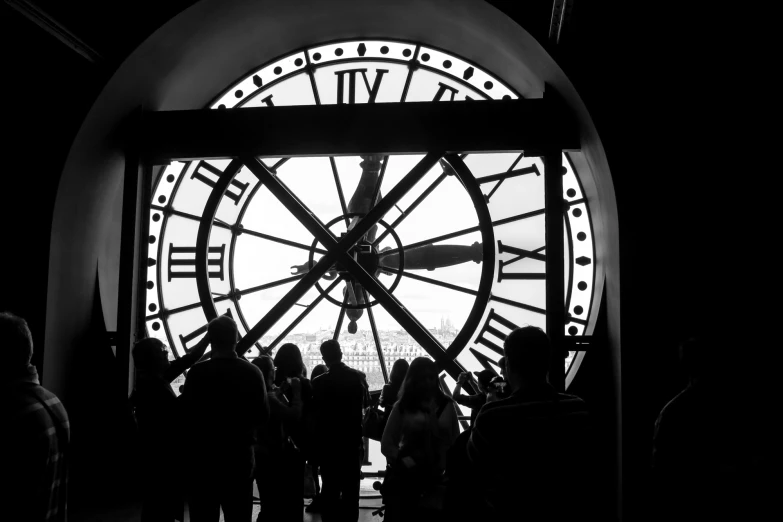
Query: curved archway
{"x": 190, "y": 59}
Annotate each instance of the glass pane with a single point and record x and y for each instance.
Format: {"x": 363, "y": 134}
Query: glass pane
{"x": 275, "y": 244}
{"x": 311, "y": 179}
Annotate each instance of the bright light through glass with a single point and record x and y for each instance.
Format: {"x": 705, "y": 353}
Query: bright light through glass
{"x": 256, "y": 262}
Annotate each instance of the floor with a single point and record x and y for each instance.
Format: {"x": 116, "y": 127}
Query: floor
{"x": 133, "y": 514}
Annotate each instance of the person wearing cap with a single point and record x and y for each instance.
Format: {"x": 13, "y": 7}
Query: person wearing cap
{"x": 476, "y": 401}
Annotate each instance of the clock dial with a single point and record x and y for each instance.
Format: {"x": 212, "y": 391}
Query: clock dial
{"x": 396, "y": 256}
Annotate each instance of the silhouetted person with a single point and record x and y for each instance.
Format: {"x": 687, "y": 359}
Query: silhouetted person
{"x": 421, "y": 428}
{"x": 224, "y": 405}
{"x": 288, "y": 365}
{"x": 391, "y": 391}
{"x": 711, "y": 447}
{"x": 35, "y": 434}
{"x": 312, "y": 460}
{"x": 472, "y": 401}
{"x": 293, "y": 394}
{"x": 279, "y": 486}
{"x": 526, "y": 449}
{"x": 157, "y": 416}
{"x": 319, "y": 369}
{"x": 339, "y": 396}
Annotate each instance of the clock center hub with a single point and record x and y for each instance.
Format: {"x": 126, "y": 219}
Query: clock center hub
{"x": 367, "y": 256}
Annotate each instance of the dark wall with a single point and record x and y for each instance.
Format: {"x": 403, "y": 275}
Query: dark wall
{"x": 647, "y": 76}
{"x": 47, "y": 90}
{"x": 659, "y": 82}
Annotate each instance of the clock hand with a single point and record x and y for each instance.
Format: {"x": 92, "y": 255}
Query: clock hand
{"x": 366, "y": 195}
{"x": 305, "y": 267}
{"x": 367, "y": 192}
{"x": 355, "y": 297}
{"x": 430, "y": 257}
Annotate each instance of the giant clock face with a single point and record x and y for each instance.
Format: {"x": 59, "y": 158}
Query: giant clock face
{"x": 396, "y": 256}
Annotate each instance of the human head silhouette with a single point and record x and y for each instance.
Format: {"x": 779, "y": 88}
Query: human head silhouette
{"x": 150, "y": 355}
{"x": 267, "y": 367}
{"x": 420, "y": 386}
{"x": 288, "y": 361}
{"x": 16, "y": 341}
{"x": 483, "y": 378}
{"x": 528, "y": 352}
{"x": 398, "y": 372}
{"x": 319, "y": 369}
{"x": 330, "y": 352}
{"x": 223, "y": 335}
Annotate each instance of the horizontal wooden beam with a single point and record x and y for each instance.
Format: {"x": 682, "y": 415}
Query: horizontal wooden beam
{"x": 385, "y": 128}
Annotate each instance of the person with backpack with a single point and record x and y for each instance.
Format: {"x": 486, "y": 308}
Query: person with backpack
{"x": 421, "y": 428}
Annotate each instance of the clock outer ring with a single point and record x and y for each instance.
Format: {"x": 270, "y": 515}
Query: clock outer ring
{"x": 468, "y": 181}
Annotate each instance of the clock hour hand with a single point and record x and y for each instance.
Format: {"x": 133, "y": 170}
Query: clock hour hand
{"x": 362, "y": 200}
{"x": 431, "y": 257}
{"x": 355, "y": 297}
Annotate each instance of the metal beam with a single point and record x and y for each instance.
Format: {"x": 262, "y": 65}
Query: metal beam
{"x": 561, "y": 12}
{"x": 131, "y": 293}
{"x": 35, "y": 14}
{"x": 555, "y": 265}
{"x": 384, "y": 128}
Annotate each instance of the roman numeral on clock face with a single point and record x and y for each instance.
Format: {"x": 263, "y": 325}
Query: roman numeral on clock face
{"x": 351, "y": 91}
{"x": 492, "y": 326}
{"x": 209, "y": 175}
{"x": 448, "y": 92}
{"x": 186, "y": 257}
{"x": 185, "y": 339}
{"x": 519, "y": 253}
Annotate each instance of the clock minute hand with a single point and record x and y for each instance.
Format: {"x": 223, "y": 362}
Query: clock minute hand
{"x": 305, "y": 267}
{"x": 431, "y": 257}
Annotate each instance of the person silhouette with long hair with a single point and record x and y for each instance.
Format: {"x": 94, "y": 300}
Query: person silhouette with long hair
{"x": 421, "y": 428}
{"x": 391, "y": 391}
{"x": 292, "y": 396}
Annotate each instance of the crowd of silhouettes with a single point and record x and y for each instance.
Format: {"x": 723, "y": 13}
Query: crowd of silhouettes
{"x": 527, "y": 452}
